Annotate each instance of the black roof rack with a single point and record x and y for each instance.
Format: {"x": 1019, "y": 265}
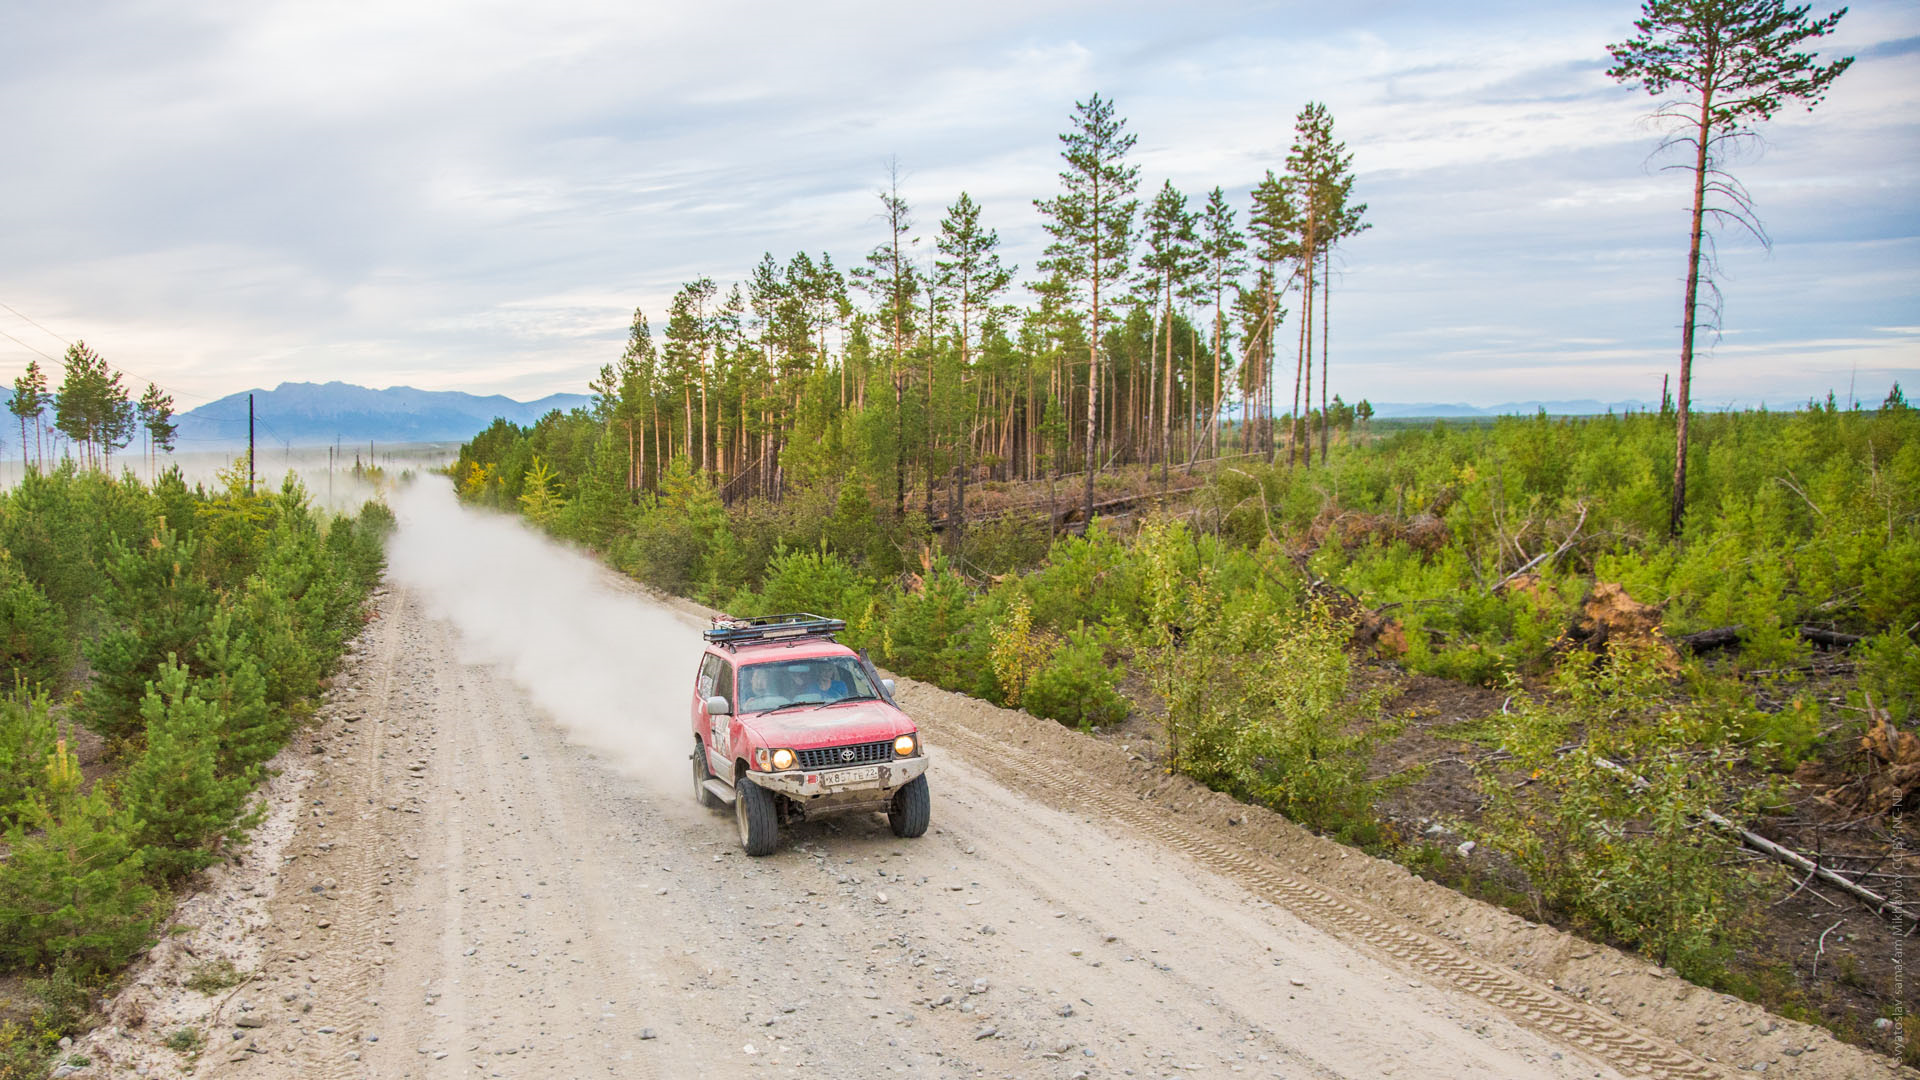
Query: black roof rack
{"x": 730, "y": 631}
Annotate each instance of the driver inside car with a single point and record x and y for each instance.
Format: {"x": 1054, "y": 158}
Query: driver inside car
{"x": 826, "y": 684}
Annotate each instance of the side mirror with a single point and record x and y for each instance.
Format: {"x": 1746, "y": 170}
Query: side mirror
{"x": 887, "y": 684}
{"x": 718, "y": 705}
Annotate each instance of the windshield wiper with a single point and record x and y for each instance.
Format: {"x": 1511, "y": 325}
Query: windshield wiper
{"x": 796, "y": 704}
{"x": 858, "y": 697}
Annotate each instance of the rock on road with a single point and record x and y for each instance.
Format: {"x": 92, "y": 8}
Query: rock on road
{"x": 496, "y": 867}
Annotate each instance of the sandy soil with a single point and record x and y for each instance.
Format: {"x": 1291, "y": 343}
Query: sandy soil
{"x": 457, "y": 879}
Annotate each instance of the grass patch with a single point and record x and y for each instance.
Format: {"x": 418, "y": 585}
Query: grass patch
{"x": 214, "y": 976}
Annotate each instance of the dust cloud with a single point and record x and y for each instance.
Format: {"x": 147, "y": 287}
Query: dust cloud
{"x": 613, "y": 671}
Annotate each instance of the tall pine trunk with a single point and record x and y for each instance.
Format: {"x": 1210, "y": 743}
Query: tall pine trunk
{"x": 1678, "y": 509}
{"x": 1326, "y": 292}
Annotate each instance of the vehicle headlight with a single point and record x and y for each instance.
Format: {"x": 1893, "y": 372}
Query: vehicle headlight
{"x": 903, "y": 746}
{"x": 782, "y": 759}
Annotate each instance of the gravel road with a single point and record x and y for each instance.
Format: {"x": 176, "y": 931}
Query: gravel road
{"x": 486, "y": 860}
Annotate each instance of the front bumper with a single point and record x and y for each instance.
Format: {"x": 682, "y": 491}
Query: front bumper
{"x": 809, "y": 786}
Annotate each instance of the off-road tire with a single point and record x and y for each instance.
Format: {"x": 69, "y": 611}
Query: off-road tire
{"x": 757, "y": 817}
{"x": 700, "y": 777}
{"x": 911, "y": 809}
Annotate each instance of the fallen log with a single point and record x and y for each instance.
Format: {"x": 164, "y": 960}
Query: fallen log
{"x": 1723, "y": 637}
{"x": 1781, "y": 854}
{"x": 1832, "y": 639}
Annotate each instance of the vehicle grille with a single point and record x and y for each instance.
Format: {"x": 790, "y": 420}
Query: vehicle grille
{"x": 835, "y": 757}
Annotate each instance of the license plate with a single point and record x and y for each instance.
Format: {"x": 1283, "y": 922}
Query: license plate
{"x": 850, "y": 776}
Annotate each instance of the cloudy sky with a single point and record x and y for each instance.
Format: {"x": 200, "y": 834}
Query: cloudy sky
{"x": 476, "y": 196}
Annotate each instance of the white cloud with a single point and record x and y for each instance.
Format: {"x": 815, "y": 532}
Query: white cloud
{"x": 477, "y": 196}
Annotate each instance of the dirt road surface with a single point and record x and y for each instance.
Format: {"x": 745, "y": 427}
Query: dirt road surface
{"x": 485, "y": 860}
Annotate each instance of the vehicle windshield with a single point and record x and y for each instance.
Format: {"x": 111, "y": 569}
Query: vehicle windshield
{"x": 822, "y": 680}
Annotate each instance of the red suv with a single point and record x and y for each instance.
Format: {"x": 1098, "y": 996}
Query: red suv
{"x": 789, "y": 724}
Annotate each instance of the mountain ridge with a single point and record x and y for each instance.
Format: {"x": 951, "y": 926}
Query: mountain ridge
{"x": 318, "y": 414}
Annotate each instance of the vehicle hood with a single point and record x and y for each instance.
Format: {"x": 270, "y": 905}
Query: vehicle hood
{"x": 828, "y": 725}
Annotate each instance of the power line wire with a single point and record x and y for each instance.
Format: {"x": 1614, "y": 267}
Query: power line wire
{"x": 23, "y": 344}
{"x": 30, "y": 319}
{"x": 123, "y": 369}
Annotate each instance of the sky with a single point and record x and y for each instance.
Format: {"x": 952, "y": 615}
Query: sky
{"x": 476, "y": 196}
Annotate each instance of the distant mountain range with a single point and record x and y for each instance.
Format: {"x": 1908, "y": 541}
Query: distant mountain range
{"x": 319, "y": 414}
{"x": 1583, "y": 407}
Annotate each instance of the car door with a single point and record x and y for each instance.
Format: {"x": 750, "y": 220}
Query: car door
{"x": 720, "y": 729}
{"x": 704, "y": 681}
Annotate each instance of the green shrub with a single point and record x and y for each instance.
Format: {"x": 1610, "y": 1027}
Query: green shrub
{"x": 179, "y": 804}
{"x": 157, "y": 605}
{"x": 1076, "y": 685}
{"x": 72, "y": 890}
{"x": 1890, "y": 671}
{"x": 252, "y": 731}
{"x": 26, "y": 738}
{"x": 820, "y": 582}
{"x": 34, "y": 646}
{"x": 1017, "y": 651}
{"x": 928, "y": 634}
{"x": 1613, "y": 831}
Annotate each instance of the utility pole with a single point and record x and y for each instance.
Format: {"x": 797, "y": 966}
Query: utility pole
{"x": 249, "y": 444}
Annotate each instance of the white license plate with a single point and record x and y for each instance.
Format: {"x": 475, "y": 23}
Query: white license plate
{"x": 850, "y": 776}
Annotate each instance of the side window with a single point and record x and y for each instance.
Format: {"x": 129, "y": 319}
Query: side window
{"x": 710, "y": 667}
{"x": 724, "y": 684}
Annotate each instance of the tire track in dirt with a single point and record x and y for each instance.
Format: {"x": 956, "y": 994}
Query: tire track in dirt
{"x": 1345, "y": 919}
{"x": 343, "y": 970}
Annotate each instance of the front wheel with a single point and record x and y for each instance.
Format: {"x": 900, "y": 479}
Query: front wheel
{"x": 911, "y": 809}
{"x": 700, "y": 777}
{"x": 759, "y": 821}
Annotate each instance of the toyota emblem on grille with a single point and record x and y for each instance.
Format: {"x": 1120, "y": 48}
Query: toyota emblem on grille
{"x": 847, "y": 754}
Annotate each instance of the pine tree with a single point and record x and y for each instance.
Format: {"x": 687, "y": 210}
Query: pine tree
{"x": 156, "y": 604}
{"x": 890, "y": 277}
{"x": 252, "y": 731}
{"x": 34, "y": 647}
{"x": 1091, "y": 222}
{"x": 1275, "y": 226}
{"x": 72, "y": 889}
{"x": 156, "y": 415}
{"x": 29, "y": 402}
{"x": 26, "y": 738}
{"x": 179, "y": 803}
{"x": 1339, "y": 218}
{"x": 1172, "y": 257}
{"x": 973, "y": 275}
{"x": 1221, "y": 245}
{"x": 623, "y": 394}
{"x": 1737, "y": 62}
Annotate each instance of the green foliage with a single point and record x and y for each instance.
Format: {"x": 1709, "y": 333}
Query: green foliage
{"x": 34, "y": 645}
{"x": 1259, "y": 699}
{"x": 72, "y": 889}
{"x": 26, "y": 738}
{"x": 1017, "y": 652}
{"x": 186, "y": 1040}
{"x": 251, "y": 729}
{"x": 817, "y": 581}
{"x": 179, "y": 802}
{"x": 1614, "y": 830}
{"x": 1890, "y": 671}
{"x": 207, "y": 619}
{"x": 1076, "y": 685}
{"x": 157, "y": 605}
{"x": 928, "y": 634}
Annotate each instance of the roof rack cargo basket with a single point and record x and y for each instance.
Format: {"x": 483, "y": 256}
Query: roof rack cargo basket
{"x": 728, "y": 630}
